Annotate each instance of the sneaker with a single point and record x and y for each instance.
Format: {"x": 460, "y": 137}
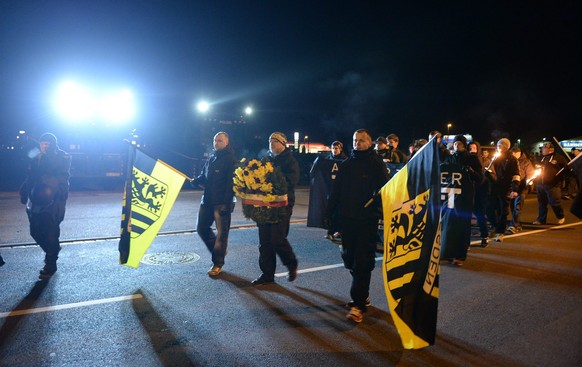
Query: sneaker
{"x": 214, "y": 271}
{"x": 355, "y": 315}
{"x": 351, "y": 304}
{"x": 292, "y": 275}
{"x": 328, "y": 237}
{"x": 512, "y": 229}
{"x": 47, "y": 272}
{"x": 561, "y": 221}
{"x": 262, "y": 281}
{"x": 484, "y": 242}
{"x": 499, "y": 237}
{"x": 537, "y": 222}
{"x": 458, "y": 262}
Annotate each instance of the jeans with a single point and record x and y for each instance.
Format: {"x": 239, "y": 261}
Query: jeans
{"x": 216, "y": 243}
{"x": 549, "y": 195}
{"x": 516, "y": 207}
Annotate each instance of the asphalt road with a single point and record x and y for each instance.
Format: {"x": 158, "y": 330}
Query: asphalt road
{"x": 516, "y": 303}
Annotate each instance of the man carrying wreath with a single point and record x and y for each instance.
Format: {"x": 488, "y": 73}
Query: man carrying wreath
{"x": 273, "y": 236}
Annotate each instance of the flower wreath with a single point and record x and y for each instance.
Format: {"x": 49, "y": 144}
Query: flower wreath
{"x": 262, "y": 188}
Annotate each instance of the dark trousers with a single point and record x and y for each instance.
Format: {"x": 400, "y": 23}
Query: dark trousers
{"x": 215, "y": 242}
{"x": 359, "y": 253}
{"x": 503, "y": 212}
{"x": 549, "y": 195}
{"x": 45, "y": 230}
{"x": 273, "y": 241}
{"x": 480, "y": 208}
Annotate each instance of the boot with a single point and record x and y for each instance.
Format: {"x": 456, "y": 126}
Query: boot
{"x": 50, "y": 266}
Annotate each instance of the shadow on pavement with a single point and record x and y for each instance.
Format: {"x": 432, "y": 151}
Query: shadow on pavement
{"x": 166, "y": 345}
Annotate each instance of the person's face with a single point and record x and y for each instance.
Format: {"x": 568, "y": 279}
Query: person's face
{"x": 44, "y": 146}
{"x": 276, "y": 147}
{"x": 220, "y": 141}
{"x": 473, "y": 148}
{"x": 336, "y": 150}
{"x": 393, "y": 143}
{"x": 380, "y": 145}
{"x": 458, "y": 146}
{"x": 576, "y": 152}
{"x": 362, "y": 141}
{"x": 485, "y": 153}
{"x": 501, "y": 148}
{"x": 546, "y": 149}
{"x": 411, "y": 148}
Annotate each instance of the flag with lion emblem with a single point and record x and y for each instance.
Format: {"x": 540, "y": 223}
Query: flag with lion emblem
{"x": 151, "y": 189}
{"x": 411, "y": 206}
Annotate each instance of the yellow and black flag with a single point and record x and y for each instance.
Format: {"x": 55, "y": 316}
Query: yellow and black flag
{"x": 151, "y": 189}
{"x": 411, "y": 205}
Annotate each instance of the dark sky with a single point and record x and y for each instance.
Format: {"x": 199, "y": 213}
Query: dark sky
{"x": 323, "y": 68}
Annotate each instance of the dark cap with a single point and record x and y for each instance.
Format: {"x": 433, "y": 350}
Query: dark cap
{"x": 381, "y": 139}
{"x": 460, "y": 138}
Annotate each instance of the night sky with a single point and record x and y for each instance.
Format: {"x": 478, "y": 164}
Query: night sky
{"x": 323, "y": 68}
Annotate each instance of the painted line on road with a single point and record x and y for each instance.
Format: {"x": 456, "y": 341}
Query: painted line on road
{"x": 535, "y": 231}
{"x": 319, "y": 268}
{"x": 69, "y": 305}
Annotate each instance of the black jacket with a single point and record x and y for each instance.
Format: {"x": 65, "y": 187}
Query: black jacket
{"x": 359, "y": 179}
{"x": 216, "y": 178}
{"x": 551, "y": 164}
{"x": 51, "y": 169}
{"x": 290, "y": 169}
{"x": 506, "y": 171}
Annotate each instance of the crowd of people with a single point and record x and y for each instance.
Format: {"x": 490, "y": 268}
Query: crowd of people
{"x": 492, "y": 189}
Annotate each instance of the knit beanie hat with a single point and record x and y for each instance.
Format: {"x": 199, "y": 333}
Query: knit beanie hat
{"x": 280, "y": 137}
{"x": 51, "y": 138}
{"x": 460, "y": 138}
{"x": 505, "y": 142}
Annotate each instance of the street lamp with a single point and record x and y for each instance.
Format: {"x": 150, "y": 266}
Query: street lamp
{"x": 449, "y": 125}
{"x": 248, "y": 111}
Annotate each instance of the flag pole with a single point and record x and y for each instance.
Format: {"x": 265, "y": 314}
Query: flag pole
{"x": 125, "y": 234}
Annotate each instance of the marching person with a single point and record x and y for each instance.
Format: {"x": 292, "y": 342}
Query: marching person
{"x": 322, "y": 173}
{"x": 505, "y": 185}
{"x": 526, "y": 172}
{"x": 337, "y": 151}
{"x": 45, "y": 192}
{"x": 461, "y": 171}
{"x": 548, "y": 184}
{"x": 216, "y": 204}
{"x": 273, "y": 236}
{"x": 481, "y": 195}
{"x": 396, "y": 155}
{"x": 359, "y": 179}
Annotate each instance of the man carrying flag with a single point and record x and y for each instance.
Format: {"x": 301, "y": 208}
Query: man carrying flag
{"x": 359, "y": 178}
{"x": 151, "y": 189}
{"x": 411, "y": 205}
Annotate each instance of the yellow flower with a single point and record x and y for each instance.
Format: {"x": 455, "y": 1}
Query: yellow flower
{"x": 269, "y": 198}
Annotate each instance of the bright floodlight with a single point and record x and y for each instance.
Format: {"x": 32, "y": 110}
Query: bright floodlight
{"x": 249, "y": 110}
{"x": 203, "y": 106}
{"x": 118, "y": 107}
{"x": 73, "y": 102}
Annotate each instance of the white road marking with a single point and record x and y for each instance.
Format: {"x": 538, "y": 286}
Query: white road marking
{"x": 300, "y": 271}
{"x": 69, "y": 305}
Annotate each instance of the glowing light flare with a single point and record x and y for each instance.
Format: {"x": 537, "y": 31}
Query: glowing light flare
{"x": 118, "y": 107}
{"x": 203, "y": 106}
{"x": 249, "y": 111}
{"x": 537, "y": 172}
{"x": 74, "y": 102}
